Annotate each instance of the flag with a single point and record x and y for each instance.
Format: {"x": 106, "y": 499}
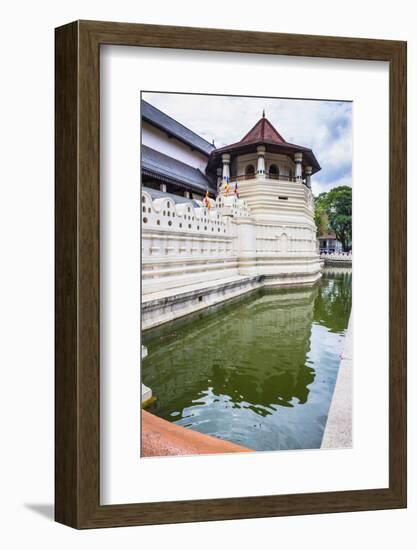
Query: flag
{"x": 207, "y": 200}
{"x": 226, "y": 189}
{"x": 236, "y": 190}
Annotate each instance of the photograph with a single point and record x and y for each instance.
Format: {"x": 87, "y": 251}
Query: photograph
{"x": 246, "y": 274}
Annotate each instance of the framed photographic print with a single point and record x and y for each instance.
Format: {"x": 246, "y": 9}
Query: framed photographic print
{"x": 230, "y": 274}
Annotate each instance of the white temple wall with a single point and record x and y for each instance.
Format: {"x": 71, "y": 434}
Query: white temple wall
{"x": 183, "y": 245}
{"x": 282, "y": 239}
{"x": 278, "y": 201}
{"x": 193, "y": 257}
{"x": 157, "y": 139}
{"x": 245, "y": 246}
{"x": 242, "y": 161}
{"x": 284, "y": 163}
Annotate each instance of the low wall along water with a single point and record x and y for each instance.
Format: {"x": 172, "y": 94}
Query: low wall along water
{"x": 194, "y": 256}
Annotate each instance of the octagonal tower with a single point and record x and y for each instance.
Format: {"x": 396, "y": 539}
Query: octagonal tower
{"x": 274, "y": 179}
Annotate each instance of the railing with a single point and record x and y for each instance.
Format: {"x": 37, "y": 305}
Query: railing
{"x": 266, "y": 175}
{"x": 336, "y": 257}
{"x": 280, "y": 177}
{"x": 242, "y": 177}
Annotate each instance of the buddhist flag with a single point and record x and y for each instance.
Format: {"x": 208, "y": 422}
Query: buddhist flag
{"x": 207, "y": 200}
{"x": 226, "y": 189}
{"x": 236, "y": 190}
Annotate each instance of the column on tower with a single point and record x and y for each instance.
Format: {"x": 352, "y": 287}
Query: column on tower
{"x": 219, "y": 178}
{"x": 298, "y": 158}
{"x": 308, "y": 170}
{"x": 261, "y": 159}
{"x": 226, "y": 167}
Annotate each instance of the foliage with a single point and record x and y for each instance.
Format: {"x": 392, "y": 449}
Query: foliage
{"x": 320, "y": 216}
{"x": 333, "y": 212}
{"x": 334, "y": 300}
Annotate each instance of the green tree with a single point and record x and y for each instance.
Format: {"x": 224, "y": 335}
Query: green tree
{"x": 335, "y": 207}
{"x": 320, "y": 216}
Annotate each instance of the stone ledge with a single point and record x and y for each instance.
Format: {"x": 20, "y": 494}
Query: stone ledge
{"x": 338, "y": 429}
{"x": 163, "y": 306}
{"x": 162, "y": 438}
{"x": 160, "y": 307}
{"x": 191, "y": 289}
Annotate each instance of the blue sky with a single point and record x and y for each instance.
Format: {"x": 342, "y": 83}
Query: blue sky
{"x": 323, "y": 126}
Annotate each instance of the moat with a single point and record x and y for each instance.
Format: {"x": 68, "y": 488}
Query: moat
{"x": 260, "y": 371}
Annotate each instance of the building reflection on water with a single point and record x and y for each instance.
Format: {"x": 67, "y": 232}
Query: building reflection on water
{"x": 259, "y": 372}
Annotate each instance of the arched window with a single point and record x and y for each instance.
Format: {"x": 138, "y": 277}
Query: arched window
{"x": 249, "y": 170}
{"x": 274, "y": 171}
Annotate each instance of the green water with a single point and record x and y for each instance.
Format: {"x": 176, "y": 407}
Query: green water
{"x": 259, "y": 372}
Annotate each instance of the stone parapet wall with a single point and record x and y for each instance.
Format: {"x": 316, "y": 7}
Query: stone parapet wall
{"x": 187, "y": 243}
{"x": 163, "y": 306}
{"x": 276, "y": 200}
{"x": 337, "y": 259}
{"x": 183, "y": 244}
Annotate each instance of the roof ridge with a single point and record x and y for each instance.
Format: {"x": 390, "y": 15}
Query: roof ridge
{"x": 274, "y": 129}
{"x": 260, "y": 125}
{"x": 146, "y": 147}
{"x": 152, "y": 159}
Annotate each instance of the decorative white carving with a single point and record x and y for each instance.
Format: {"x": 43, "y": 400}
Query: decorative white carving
{"x": 190, "y": 243}
{"x": 337, "y": 256}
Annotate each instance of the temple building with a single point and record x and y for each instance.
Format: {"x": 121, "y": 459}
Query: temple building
{"x": 263, "y": 154}
{"x": 217, "y": 223}
{"x": 174, "y": 158}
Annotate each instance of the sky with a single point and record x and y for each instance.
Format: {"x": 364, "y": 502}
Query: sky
{"x": 323, "y": 126}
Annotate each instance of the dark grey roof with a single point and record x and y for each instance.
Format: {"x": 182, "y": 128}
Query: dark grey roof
{"x": 171, "y": 170}
{"x": 164, "y": 122}
{"x": 155, "y": 194}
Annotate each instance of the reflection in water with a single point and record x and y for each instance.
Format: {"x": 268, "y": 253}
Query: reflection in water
{"x": 259, "y": 372}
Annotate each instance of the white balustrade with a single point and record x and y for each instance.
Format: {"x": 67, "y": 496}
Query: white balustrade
{"x": 184, "y": 244}
{"x": 337, "y": 256}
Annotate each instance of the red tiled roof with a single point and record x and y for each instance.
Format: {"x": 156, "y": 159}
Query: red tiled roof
{"x": 263, "y": 131}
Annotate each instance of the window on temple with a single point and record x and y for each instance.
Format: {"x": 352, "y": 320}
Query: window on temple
{"x": 250, "y": 170}
{"x": 274, "y": 171}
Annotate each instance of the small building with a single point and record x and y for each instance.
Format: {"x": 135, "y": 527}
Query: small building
{"x": 328, "y": 244}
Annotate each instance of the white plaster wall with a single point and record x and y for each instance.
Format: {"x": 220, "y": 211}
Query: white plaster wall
{"x": 184, "y": 245}
{"x": 278, "y": 201}
{"x": 156, "y": 139}
{"x": 284, "y": 163}
{"x": 242, "y": 161}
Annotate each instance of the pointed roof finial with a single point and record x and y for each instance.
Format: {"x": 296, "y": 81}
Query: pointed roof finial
{"x": 263, "y": 113}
